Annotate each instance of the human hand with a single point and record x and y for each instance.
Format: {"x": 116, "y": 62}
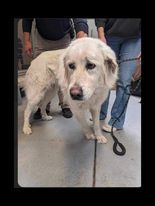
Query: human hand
{"x": 81, "y": 34}
{"x": 103, "y": 39}
{"x": 137, "y": 72}
{"x": 28, "y": 48}
{"x": 101, "y": 34}
{"x": 139, "y": 58}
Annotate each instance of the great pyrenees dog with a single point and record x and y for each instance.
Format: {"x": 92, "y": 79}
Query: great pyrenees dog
{"x": 85, "y": 71}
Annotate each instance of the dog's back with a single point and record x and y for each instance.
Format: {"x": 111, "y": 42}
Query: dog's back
{"x": 41, "y": 74}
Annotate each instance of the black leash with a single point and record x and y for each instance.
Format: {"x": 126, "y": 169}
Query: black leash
{"x": 116, "y": 142}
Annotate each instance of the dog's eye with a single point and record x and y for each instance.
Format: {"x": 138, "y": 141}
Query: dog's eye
{"x": 72, "y": 66}
{"x": 90, "y": 66}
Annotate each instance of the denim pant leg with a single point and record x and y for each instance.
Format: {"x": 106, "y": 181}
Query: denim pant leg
{"x": 130, "y": 48}
{"x": 114, "y": 43}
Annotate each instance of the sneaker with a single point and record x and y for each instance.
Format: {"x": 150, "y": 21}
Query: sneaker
{"x": 67, "y": 113}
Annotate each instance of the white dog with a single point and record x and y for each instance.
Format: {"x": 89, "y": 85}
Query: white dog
{"x": 86, "y": 70}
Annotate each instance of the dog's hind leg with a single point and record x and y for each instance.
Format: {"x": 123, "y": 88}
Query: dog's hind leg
{"x": 48, "y": 96}
{"x": 43, "y": 112}
{"x": 31, "y": 106}
{"x": 27, "y": 127}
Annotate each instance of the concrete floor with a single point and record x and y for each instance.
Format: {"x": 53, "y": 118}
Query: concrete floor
{"x": 58, "y": 155}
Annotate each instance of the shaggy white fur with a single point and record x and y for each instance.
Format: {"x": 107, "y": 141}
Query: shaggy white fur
{"x": 40, "y": 85}
{"x": 85, "y": 71}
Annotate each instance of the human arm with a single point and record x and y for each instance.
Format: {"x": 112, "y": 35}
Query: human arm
{"x": 27, "y": 24}
{"x": 81, "y": 27}
{"x": 100, "y": 24}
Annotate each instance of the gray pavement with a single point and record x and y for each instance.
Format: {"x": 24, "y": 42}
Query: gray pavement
{"x": 56, "y": 154}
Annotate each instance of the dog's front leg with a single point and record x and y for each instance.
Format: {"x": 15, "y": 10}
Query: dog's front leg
{"x": 96, "y": 125}
{"x": 80, "y": 115}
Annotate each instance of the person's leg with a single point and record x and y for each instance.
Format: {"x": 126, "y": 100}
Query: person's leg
{"x": 130, "y": 49}
{"x": 38, "y": 43}
{"x": 114, "y": 43}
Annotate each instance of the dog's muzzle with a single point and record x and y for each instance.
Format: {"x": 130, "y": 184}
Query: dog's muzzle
{"x": 76, "y": 93}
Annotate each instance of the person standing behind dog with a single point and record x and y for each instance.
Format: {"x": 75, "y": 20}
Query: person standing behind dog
{"x": 52, "y": 34}
{"x": 124, "y": 37}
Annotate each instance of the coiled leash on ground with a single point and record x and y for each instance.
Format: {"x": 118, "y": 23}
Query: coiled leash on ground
{"x": 116, "y": 142}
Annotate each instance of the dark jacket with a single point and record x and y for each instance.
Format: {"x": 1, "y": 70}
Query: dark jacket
{"x": 123, "y": 27}
{"x": 55, "y": 28}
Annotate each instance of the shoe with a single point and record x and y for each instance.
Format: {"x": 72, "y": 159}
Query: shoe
{"x": 37, "y": 114}
{"x": 66, "y": 112}
{"x": 107, "y": 128}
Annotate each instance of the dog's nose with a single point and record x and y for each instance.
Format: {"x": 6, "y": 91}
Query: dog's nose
{"x": 76, "y": 93}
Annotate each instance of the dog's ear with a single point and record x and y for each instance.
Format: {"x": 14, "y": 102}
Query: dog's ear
{"x": 110, "y": 66}
{"x": 111, "y": 73}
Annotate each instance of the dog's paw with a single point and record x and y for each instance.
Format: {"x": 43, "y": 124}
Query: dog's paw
{"x": 101, "y": 139}
{"x": 47, "y": 118}
{"x": 90, "y": 135}
{"x": 27, "y": 130}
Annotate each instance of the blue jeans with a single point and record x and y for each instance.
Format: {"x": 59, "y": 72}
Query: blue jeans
{"x": 124, "y": 49}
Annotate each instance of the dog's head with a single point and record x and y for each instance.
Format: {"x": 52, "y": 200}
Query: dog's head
{"x": 86, "y": 65}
